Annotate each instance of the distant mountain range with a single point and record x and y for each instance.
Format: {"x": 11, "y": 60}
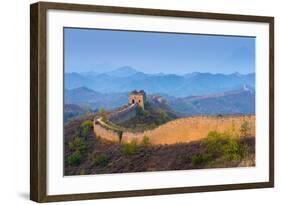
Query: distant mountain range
{"x": 86, "y": 97}
{"x": 239, "y": 101}
{"x": 72, "y": 110}
{"x": 126, "y": 79}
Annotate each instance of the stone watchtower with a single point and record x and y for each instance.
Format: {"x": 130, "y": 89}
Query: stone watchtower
{"x": 137, "y": 97}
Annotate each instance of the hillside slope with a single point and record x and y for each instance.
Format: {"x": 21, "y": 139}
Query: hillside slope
{"x": 104, "y": 157}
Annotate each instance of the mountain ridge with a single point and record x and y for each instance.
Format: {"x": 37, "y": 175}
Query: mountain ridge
{"x": 238, "y": 101}
{"x": 120, "y": 80}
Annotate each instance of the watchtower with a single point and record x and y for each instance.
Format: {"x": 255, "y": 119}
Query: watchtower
{"x": 137, "y": 97}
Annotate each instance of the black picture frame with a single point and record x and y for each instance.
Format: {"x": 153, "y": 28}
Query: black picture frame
{"x": 38, "y": 103}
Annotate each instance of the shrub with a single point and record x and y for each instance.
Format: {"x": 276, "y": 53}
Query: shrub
{"x": 231, "y": 150}
{"x": 244, "y": 150}
{"x": 77, "y": 144}
{"x": 74, "y": 158}
{"x": 99, "y": 160}
{"x": 222, "y": 145}
{"x": 200, "y": 159}
{"x": 145, "y": 141}
{"x": 129, "y": 149}
{"x": 214, "y": 143}
{"x": 86, "y": 127}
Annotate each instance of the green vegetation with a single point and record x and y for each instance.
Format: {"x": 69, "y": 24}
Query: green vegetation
{"x": 244, "y": 129}
{"x": 99, "y": 159}
{"x": 214, "y": 143}
{"x": 86, "y": 128}
{"x": 142, "y": 112}
{"x": 200, "y": 159}
{"x": 75, "y": 158}
{"x": 145, "y": 141}
{"x": 148, "y": 118}
{"x": 163, "y": 115}
{"x": 224, "y": 146}
{"x": 98, "y": 156}
{"x": 77, "y": 144}
{"x": 234, "y": 150}
{"x": 129, "y": 149}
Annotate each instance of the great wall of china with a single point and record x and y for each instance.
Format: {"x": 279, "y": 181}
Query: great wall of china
{"x": 177, "y": 131}
{"x": 125, "y": 113}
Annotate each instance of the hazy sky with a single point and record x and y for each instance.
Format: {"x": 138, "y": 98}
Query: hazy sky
{"x": 104, "y": 50}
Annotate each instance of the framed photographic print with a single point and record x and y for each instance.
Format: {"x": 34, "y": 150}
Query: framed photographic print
{"x": 134, "y": 102}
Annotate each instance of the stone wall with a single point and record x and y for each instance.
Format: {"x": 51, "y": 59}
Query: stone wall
{"x": 105, "y": 132}
{"x": 123, "y": 115}
{"x": 196, "y": 128}
{"x": 181, "y": 130}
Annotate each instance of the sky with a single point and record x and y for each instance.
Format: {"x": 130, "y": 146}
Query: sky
{"x": 153, "y": 52}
